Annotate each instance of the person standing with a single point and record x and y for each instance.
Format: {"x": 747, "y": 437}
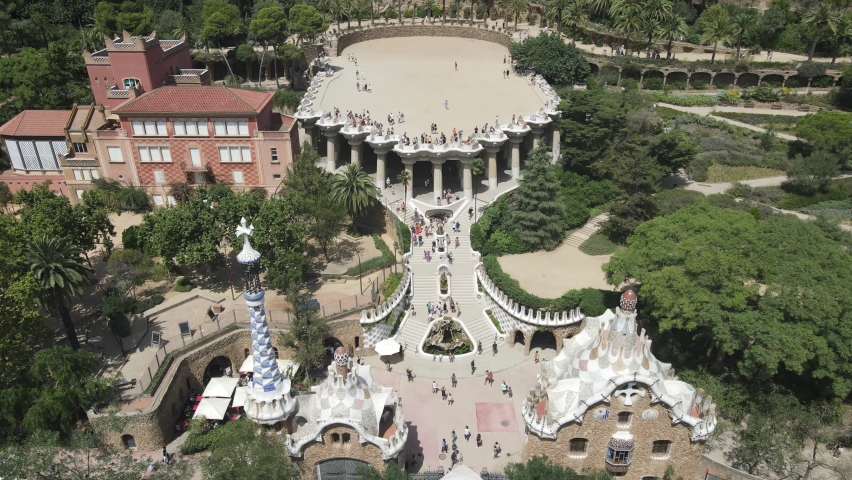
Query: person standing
{"x": 472, "y": 366}
{"x": 504, "y": 387}
{"x": 409, "y": 374}
{"x": 443, "y": 393}
{"x": 450, "y": 400}
{"x": 454, "y": 380}
{"x": 496, "y": 451}
{"x": 536, "y": 357}
{"x": 494, "y": 348}
{"x": 446, "y": 104}
{"x": 453, "y": 436}
{"x": 457, "y": 66}
{"x": 434, "y": 386}
{"x": 444, "y": 446}
{"x": 478, "y": 440}
{"x": 466, "y": 433}
{"x": 165, "y": 456}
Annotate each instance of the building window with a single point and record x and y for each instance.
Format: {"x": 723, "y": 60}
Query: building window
{"x": 131, "y": 82}
{"x": 618, "y": 457}
{"x": 190, "y": 128}
{"x": 171, "y": 200}
{"x": 578, "y": 445}
{"x": 234, "y": 154}
{"x": 231, "y": 128}
{"x": 273, "y": 152}
{"x": 115, "y": 155}
{"x": 238, "y": 177}
{"x": 80, "y": 147}
{"x": 159, "y": 176}
{"x": 335, "y": 438}
{"x": 155, "y": 155}
{"x": 149, "y": 128}
{"x": 199, "y": 178}
{"x": 624, "y": 418}
{"x": 276, "y": 176}
{"x": 660, "y": 449}
{"x": 95, "y": 175}
{"x": 275, "y": 351}
{"x": 346, "y": 438}
{"x": 78, "y": 174}
{"x": 158, "y": 200}
{"x": 80, "y": 196}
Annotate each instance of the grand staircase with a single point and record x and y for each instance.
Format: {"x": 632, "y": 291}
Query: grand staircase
{"x": 579, "y": 236}
{"x": 463, "y": 289}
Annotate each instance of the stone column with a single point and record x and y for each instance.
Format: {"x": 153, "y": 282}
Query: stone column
{"x": 437, "y": 178}
{"x": 331, "y": 149}
{"x": 516, "y": 156}
{"x": 467, "y": 183}
{"x": 409, "y": 167}
{"x": 381, "y": 158}
{"x": 355, "y": 143}
{"x": 491, "y": 163}
{"x": 555, "y": 137}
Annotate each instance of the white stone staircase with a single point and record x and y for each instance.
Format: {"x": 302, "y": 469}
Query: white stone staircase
{"x": 579, "y": 236}
{"x": 462, "y": 288}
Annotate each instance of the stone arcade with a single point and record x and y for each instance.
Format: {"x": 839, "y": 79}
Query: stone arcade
{"x": 605, "y": 402}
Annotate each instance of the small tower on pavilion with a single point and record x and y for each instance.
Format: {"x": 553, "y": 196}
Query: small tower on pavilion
{"x": 269, "y": 400}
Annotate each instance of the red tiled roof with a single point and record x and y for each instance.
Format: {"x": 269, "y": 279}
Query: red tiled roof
{"x": 37, "y": 123}
{"x": 195, "y": 100}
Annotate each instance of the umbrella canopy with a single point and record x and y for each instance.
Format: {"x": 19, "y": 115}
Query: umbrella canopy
{"x": 212, "y": 408}
{"x": 240, "y": 395}
{"x": 221, "y": 387}
{"x": 248, "y": 365}
{"x": 387, "y": 346}
{"x": 461, "y": 472}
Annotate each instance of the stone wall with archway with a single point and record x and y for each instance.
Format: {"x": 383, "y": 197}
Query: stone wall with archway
{"x": 746, "y": 80}
{"x": 317, "y": 452}
{"x": 395, "y": 31}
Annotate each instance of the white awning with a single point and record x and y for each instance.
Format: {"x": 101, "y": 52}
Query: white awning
{"x": 212, "y": 408}
{"x": 248, "y": 365}
{"x": 240, "y": 396}
{"x": 220, "y": 387}
{"x": 461, "y": 472}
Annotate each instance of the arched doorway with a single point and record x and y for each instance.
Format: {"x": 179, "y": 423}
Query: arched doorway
{"x": 331, "y": 344}
{"x": 129, "y": 442}
{"x": 543, "y": 340}
{"x": 339, "y": 469}
{"x": 216, "y": 368}
{"x": 519, "y": 337}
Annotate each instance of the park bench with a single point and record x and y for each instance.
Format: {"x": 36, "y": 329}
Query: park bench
{"x": 804, "y": 108}
{"x": 775, "y": 106}
{"x": 749, "y": 105}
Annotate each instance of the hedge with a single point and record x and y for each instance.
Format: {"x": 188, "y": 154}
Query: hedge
{"x": 381, "y": 261}
{"x": 591, "y": 301}
{"x": 699, "y": 100}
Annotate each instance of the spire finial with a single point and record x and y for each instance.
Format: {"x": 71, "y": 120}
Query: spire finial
{"x": 248, "y": 255}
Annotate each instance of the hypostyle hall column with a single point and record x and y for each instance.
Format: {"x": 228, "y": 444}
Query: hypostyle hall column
{"x": 310, "y": 127}
{"x": 491, "y": 163}
{"x": 355, "y": 136}
{"x": 438, "y": 178}
{"x": 516, "y": 155}
{"x": 381, "y": 167}
{"x": 330, "y": 131}
{"x": 409, "y": 167}
{"x": 555, "y": 136}
{"x": 467, "y": 178}
{"x": 356, "y": 151}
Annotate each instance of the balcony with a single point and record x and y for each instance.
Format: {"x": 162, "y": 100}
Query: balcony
{"x": 66, "y": 161}
{"x": 189, "y": 76}
{"x": 124, "y": 93}
{"x": 195, "y": 168}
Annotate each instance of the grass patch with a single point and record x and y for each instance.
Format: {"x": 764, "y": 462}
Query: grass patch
{"x": 396, "y": 321}
{"x": 598, "y": 244}
{"x": 494, "y": 320}
{"x": 782, "y": 123}
{"x": 667, "y": 113}
{"x": 380, "y": 261}
{"x": 390, "y": 284}
{"x": 183, "y": 285}
{"x": 727, "y": 173}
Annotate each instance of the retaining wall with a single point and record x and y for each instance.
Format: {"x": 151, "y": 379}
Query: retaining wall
{"x": 395, "y": 31}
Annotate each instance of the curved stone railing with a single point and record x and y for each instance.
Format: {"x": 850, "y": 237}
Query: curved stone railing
{"x": 395, "y": 31}
{"x": 524, "y": 314}
{"x": 447, "y": 147}
{"x": 374, "y": 315}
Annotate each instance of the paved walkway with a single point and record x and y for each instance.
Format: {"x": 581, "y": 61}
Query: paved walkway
{"x": 706, "y": 111}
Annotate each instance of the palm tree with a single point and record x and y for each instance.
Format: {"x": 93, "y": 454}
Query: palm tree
{"x": 348, "y": 10}
{"x": 472, "y": 13}
{"x": 359, "y": 8}
{"x": 514, "y": 8}
{"x": 477, "y": 166}
{"x": 59, "y": 269}
{"x": 628, "y": 22}
{"x": 553, "y": 10}
{"x": 184, "y": 29}
{"x": 428, "y": 6}
{"x": 619, "y": 7}
{"x": 842, "y": 32}
{"x": 354, "y": 189}
{"x": 719, "y": 30}
{"x": 600, "y": 6}
{"x": 743, "y": 23}
{"x": 575, "y": 15}
{"x": 819, "y": 19}
{"x": 657, "y": 9}
{"x": 404, "y": 178}
{"x": 672, "y": 28}
{"x": 649, "y": 26}
{"x": 337, "y": 8}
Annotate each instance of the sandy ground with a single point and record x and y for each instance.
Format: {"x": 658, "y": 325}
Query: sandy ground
{"x": 416, "y": 75}
{"x": 551, "y": 274}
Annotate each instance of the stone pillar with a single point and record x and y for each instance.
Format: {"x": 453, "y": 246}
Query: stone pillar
{"x": 409, "y": 167}
{"x": 381, "y": 158}
{"x": 555, "y": 138}
{"x": 467, "y": 183}
{"x": 516, "y": 156}
{"x": 331, "y": 149}
{"x": 437, "y": 178}
{"x": 491, "y": 164}
{"x": 355, "y": 143}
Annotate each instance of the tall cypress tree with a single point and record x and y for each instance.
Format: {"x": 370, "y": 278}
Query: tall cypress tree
{"x": 538, "y": 213}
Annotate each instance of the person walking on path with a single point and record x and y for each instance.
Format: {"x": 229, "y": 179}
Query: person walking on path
{"x": 478, "y": 440}
{"x": 491, "y": 378}
{"x": 487, "y": 374}
{"x": 504, "y": 387}
{"x": 509, "y": 391}
{"x": 165, "y": 456}
{"x": 434, "y": 386}
{"x": 472, "y": 366}
{"x": 480, "y": 347}
{"x": 494, "y": 348}
{"x": 453, "y": 459}
{"x": 443, "y": 393}
{"x": 444, "y": 446}
{"x": 453, "y": 436}
{"x": 466, "y": 433}
{"x": 409, "y": 374}
{"x": 450, "y": 400}
{"x": 455, "y": 382}
{"x": 496, "y": 450}
{"x": 446, "y": 104}
{"x": 536, "y": 357}
{"x": 457, "y": 66}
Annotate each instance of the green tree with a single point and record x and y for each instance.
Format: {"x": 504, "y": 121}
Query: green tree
{"x": 45, "y": 213}
{"x": 547, "y": 54}
{"x": 842, "y": 33}
{"x": 392, "y": 472}
{"x": 287, "y": 101}
{"x": 246, "y": 54}
{"x": 628, "y": 22}
{"x": 186, "y": 234}
{"x": 280, "y": 238}
{"x": 307, "y": 331}
{"x": 93, "y": 226}
{"x": 290, "y": 53}
{"x": 657, "y": 9}
{"x": 59, "y": 270}
{"x": 821, "y": 19}
{"x": 513, "y": 9}
{"x": 222, "y": 26}
{"x": 813, "y": 173}
{"x": 716, "y": 31}
{"x": 540, "y": 467}
{"x": 306, "y": 22}
{"x": 5, "y": 195}
{"x": 713, "y": 14}
{"x": 649, "y": 26}
{"x": 636, "y": 174}
{"x": 828, "y": 131}
{"x": 575, "y": 15}
{"x": 353, "y": 189}
{"x": 404, "y": 178}
{"x": 591, "y": 122}
{"x": 270, "y": 27}
{"x": 239, "y": 452}
{"x": 743, "y": 23}
{"x": 538, "y": 213}
{"x": 553, "y": 12}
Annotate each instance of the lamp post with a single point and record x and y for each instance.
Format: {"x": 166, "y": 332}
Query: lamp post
{"x": 360, "y": 282}
{"x": 395, "y": 246}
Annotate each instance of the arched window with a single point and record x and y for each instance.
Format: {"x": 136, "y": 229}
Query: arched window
{"x": 578, "y": 445}
{"x": 661, "y": 449}
{"x": 129, "y": 442}
{"x": 275, "y": 351}
{"x": 335, "y": 438}
{"x": 246, "y": 353}
{"x": 131, "y": 82}
{"x": 346, "y": 438}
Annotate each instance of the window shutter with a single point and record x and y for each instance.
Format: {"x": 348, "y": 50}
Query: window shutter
{"x": 223, "y": 155}
{"x": 115, "y": 154}
{"x": 161, "y": 128}
{"x": 244, "y": 128}
{"x": 167, "y": 154}
{"x": 138, "y": 127}
{"x": 180, "y": 128}
{"x": 219, "y": 128}
{"x": 246, "y": 151}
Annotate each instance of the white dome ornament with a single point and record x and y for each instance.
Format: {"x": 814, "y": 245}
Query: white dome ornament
{"x": 248, "y": 255}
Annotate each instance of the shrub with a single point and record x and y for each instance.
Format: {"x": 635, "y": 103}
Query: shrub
{"x": 677, "y": 84}
{"x": 391, "y": 13}
{"x": 670, "y": 201}
{"x": 792, "y": 83}
{"x": 764, "y": 94}
{"x": 183, "y": 285}
{"x": 684, "y": 100}
{"x": 811, "y": 69}
{"x": 405, "y": 233}
{"x": 653, "y": 84}
{"x": 699, "y": 85}
{"x": 385, "y": 258}
{"x": 287, "y": 101}
{"x": 408, "y": 14}
{"x": 598, "y": 244}
{"x": 823, "y": 82}
{"x": 494, "y": 320}
{"x": 629, "y": 84}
